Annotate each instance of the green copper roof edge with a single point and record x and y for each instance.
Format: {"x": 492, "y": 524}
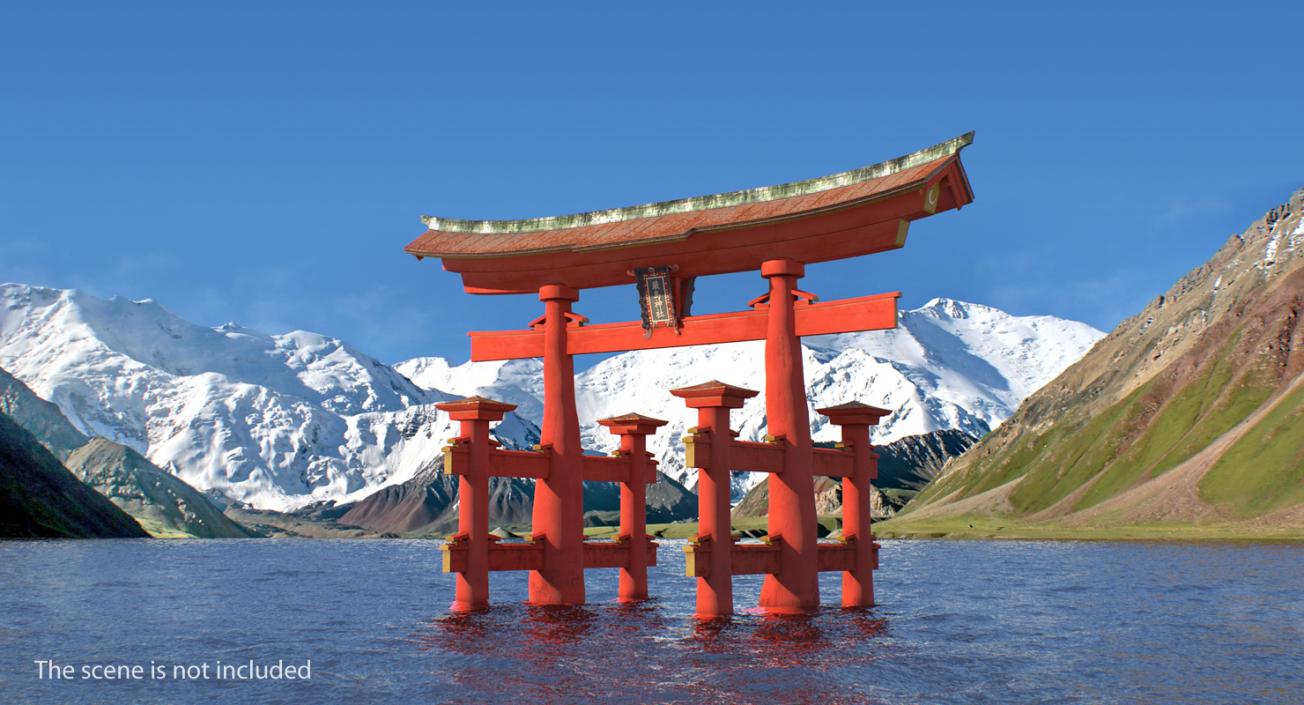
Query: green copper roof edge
{"x": 719, "y": 200}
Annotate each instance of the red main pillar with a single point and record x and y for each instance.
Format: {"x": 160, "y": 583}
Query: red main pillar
{"x": 855, "y": 419}
{"x": 633, "y": 430}
{"x": 795, "y": 588}
{"x": 713, "y": 400}
{"x": 558, "y": 520}
{"x": 474, "y": 413}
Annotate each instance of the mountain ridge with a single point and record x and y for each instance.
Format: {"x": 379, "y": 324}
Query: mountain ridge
{"x": 161, "y": 503}
{"x": 289, "y": 422}
{"x": 1189, "y": 413}
{"x": 39, "y": 498}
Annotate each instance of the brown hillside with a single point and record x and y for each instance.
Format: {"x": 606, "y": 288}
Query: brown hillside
{"x": 1189, "y": 413}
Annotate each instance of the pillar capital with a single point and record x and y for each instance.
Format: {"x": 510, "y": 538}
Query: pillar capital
{"x": 854, "y": 413}
{"x": 632, "y": 424}
{"x": 782, "y": 268}
{"x": 558, "y": 292}
{"x": 714, "y": 394}
{"x": 475, "y": 408}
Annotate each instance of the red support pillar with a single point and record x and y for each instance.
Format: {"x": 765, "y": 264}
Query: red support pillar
{"x": 558, "y": 519}
{"x": 792, "y": 520}
{"x": 475, "y": 414}
{"x": 633, "y": 430}
{"x": 713, "y": 401}
{"x": 855, "y": 419}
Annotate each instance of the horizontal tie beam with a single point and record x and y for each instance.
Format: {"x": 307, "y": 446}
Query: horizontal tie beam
{"x": 502, "y": 556}
{"x": 831, "y": 462}
{"x": 529, "y": 556}
{"x": 764, "y": 558}
{"x": 601, "y": 468}
{"x": 756, "y": 558}
{"x": 744, "y": 456}
{"x": 615, "y": 554}
{"x": 841, "y": 556}
{"x": 878, "y": 312}
{"x": 757, "y": 457}
{"x": 502, "y": 463}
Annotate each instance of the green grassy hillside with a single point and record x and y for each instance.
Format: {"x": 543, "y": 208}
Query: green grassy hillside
{"x": 1189, "y": 415}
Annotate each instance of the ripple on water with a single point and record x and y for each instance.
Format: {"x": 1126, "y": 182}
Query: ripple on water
{"x": 959, "y": 622}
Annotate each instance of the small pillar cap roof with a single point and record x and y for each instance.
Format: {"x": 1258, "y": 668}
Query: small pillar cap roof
{"x": 854, "y": 412}
{"x": 632, "y": 423}
{"x": 476, "y": 407}
{"x": 714, "y": 393}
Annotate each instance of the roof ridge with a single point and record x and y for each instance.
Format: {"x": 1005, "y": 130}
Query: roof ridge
{"x": 719, "y": 200}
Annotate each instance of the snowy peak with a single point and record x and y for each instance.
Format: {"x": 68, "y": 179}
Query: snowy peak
{"x": 518, "y": 382}
{"x": 312, "y": 367}
{"x": 276, "y": 421}
{"x": 282, "y": 421}
{"x": 941, "y": 307}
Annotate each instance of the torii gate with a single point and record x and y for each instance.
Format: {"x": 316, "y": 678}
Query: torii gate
{"x": 663, "y": 247}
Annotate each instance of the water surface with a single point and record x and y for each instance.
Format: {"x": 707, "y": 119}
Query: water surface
{"x": 958, "y": 622}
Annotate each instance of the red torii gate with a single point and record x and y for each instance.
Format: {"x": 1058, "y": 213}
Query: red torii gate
{"x": 663, "y": 247}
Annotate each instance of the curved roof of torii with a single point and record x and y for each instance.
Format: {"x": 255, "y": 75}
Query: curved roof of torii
{"x": 598, "y": 248}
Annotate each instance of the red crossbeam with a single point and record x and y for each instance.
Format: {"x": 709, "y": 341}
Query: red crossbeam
{"x": 836, "y": 556}
{"x": 749, "y": 456}
{"x": 536, "y": 463}
{"x": 529, "y": 556}
{"x": 842, "y": 555}
{"x": 876, "y": 312}
{"x": 746, "y": 558}
{"x": 834, "y": 462}
{"x": 502, "y": 463}
{"x": 502, "y": 556}
{"x": 602, "y": 468}
{"x": 756, "y": 457}
{"x": 755, "y": 559}
{"x": 614, "y": 554}
{"x": 764, "y": 558}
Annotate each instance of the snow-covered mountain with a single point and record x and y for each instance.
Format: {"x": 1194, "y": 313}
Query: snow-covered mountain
{"x": 277, "y": 422}
{"x": 283, "y": 421}
{"x": 949, "y": 364}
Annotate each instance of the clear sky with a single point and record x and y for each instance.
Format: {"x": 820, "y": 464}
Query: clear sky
{"x": 265, "y": 163}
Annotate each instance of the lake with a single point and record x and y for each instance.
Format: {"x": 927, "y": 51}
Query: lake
{"x": 958, "y": 622}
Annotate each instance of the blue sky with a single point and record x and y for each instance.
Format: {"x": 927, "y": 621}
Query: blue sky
{"x": 266, "y": 162}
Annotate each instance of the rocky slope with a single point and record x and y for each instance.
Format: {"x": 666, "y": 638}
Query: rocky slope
{"x": 163, "y": 504}
{"x": 1190, "y": 413}
{"x": 39, "y": 498}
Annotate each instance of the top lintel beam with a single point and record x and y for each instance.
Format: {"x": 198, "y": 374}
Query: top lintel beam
{"x": 878, "y": 312}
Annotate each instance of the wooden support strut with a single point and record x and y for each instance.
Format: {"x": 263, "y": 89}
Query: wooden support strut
{"x": 858, "y": 566}
{"x": 710, "y": 557}
{"x": 640, "y": 471}
{"x": 471, "y": 544}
